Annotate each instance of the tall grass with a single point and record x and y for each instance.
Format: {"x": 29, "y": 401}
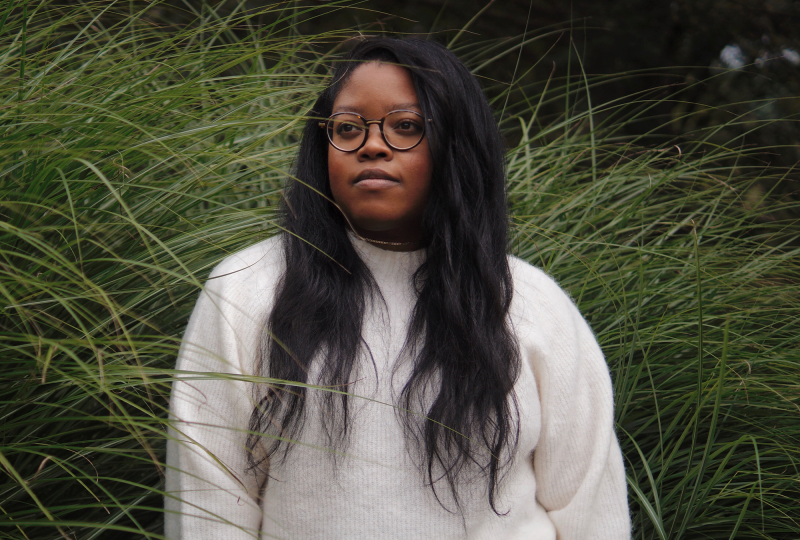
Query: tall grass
{"x": 135, "y": 155}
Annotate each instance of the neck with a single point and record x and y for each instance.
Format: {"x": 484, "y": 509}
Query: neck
{"x": 410, "y": 245}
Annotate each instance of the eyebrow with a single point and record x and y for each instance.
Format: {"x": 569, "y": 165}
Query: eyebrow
{"x": 360, "y": 110}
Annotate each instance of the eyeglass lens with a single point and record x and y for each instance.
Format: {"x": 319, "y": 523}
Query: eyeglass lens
{"x": 401, "y": 130}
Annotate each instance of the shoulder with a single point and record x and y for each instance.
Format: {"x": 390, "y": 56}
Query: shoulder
{"x": 540, "y": 302}
{"x": 245, "y": 281}
{"x": 534, "y": 284}
{"x": 258, "y": 257}
{"x": 227, "y": 321}
{"x": 257, "y": 266}
{"x": 555, "y": 340}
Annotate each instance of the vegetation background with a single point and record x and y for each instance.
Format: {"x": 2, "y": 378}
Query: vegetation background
{"x": 141, "y": 142}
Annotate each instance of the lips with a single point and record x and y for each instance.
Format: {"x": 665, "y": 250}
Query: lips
{"x": 374, "y": 174}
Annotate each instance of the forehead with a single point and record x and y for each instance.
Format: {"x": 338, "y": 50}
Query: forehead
{"x": 375, "y": 88}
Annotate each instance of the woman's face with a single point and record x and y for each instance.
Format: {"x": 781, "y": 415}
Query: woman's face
{"x": 382, "y": 191}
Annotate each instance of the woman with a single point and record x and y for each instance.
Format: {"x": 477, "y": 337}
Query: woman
{"x": 457, "y": 391}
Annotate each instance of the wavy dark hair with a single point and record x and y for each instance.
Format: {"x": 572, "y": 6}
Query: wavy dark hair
{"x": 465, "y": 353}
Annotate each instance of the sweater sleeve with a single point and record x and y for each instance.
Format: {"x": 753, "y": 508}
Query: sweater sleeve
{"x": 209, "y": 492}
{"x": 577, "y": 462}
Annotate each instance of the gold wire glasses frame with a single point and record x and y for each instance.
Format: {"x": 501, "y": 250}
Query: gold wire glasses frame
{"x": 401, "y": 129}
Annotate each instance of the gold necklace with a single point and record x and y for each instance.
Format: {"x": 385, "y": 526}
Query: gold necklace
{"x": 382, "y": 242}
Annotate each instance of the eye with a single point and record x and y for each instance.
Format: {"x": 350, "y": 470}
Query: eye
{"x": 347, "y": 128}
{"x": 407, "y": 126}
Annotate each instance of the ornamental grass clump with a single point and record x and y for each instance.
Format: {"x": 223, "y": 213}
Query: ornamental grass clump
{"x": 135, "y": 155}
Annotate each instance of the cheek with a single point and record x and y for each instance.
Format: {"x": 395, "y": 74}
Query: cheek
{"x": 422, "y": 172}
{"x": 335, "y": 174}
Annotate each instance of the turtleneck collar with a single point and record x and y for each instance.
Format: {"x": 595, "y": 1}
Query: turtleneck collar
{"x": 387, "y": 265}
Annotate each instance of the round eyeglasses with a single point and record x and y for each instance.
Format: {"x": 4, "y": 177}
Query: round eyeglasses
{"x": 401, "y": 129}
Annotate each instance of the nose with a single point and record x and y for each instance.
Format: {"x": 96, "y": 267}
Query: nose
{"x": 375, "y": 146}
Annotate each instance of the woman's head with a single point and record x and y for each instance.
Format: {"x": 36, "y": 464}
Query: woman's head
{"x": 454, "y": 202}
{"x": 461, "y": 136}
{"x": 380, "y": 173}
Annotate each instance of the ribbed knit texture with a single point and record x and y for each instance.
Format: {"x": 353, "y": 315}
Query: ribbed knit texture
{"x": 567, "y": 480}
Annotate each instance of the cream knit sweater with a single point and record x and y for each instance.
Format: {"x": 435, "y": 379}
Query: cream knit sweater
{"x": 567, "y": 480}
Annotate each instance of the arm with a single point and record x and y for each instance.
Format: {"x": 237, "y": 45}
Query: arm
{"x": 210, "y": 494}
{"x": 578, "y": 462}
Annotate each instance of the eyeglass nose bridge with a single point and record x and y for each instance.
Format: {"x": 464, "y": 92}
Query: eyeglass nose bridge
{"x": 368, "y": 123}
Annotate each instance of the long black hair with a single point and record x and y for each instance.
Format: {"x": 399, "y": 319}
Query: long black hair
{"x": 459, "y": 335}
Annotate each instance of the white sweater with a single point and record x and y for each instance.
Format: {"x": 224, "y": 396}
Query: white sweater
{"x": 567, "y": 480}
